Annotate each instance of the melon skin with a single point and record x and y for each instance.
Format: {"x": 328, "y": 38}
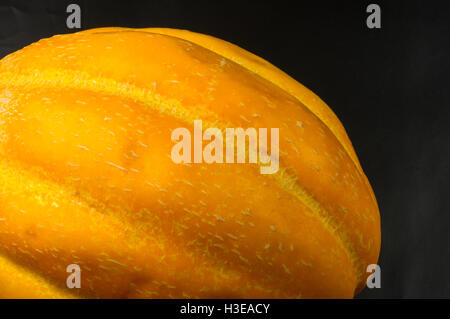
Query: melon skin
{"x": 87, "y": 178}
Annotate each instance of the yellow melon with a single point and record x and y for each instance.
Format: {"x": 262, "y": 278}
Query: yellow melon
{"x": 87, "y": 177}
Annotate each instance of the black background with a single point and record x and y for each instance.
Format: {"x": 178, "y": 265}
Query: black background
{"x": 389, "y": 87}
